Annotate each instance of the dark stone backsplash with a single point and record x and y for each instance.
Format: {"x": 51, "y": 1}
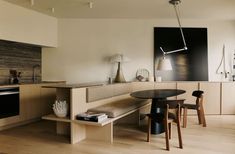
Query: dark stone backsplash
{"x": 20, "y": 57}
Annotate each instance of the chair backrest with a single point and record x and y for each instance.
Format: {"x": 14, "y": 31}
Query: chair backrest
{"x": 172, "y": 104}
{"x": 166, "y": 105}
{"x": 197, "y": 93}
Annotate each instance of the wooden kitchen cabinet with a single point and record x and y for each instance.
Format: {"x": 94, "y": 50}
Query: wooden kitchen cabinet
{"x": 137, "y": 86}
{"x": 30, "y": 99}
{"x": 228, "y": 98}
{"x": 211, "y": 96}
{"x": 36, "y": 101}
{"x": 189, "y": 87}
{"x": 48, "y": 97}
{"x": 166, "y": 85}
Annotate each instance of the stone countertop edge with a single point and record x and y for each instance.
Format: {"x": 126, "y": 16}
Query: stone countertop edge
{"x": 71, "y": 86}
{"x": 86, "y": 85}
{"x": 37, "y": 83}
{"x": 82, "y": 85}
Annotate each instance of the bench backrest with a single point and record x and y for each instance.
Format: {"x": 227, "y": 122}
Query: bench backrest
{"x": 106, "y": 91}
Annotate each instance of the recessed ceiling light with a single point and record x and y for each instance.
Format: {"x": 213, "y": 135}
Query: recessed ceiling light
{"x": 32, "y": 2}
{"x": 53, "y": 10}
{"x": 90, "y": 5}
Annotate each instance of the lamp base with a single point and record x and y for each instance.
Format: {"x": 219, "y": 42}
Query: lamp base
{"x": 119, "y": 77}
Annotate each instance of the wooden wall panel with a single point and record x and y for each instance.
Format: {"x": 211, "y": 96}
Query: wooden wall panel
{"x": 189, "y": 87}
{"x": 166, "y": 85}
{"x": 20, "y": 57}
{"x": 211, "y": 97}
{"x": 228, "y": 98}
{"x": 137, "y": 86}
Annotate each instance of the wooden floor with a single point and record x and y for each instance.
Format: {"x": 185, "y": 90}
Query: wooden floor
{"x": 39, "y": 138}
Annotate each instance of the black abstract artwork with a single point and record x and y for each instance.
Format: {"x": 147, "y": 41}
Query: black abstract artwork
{"x": 189, "y": 65}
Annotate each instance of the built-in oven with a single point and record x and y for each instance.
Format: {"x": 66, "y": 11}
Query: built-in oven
{"x": 9, "y": 102}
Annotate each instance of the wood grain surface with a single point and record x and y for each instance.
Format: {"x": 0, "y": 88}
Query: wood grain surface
{"x": 21, "y": 57}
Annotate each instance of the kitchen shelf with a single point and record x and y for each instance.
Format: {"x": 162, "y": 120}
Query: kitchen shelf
{"x": 53, "y": 117}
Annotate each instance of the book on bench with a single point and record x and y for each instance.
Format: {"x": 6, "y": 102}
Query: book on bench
{"x": 92, "y": 116}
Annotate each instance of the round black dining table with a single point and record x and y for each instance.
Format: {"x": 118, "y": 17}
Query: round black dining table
{"x": 156, "y": 95}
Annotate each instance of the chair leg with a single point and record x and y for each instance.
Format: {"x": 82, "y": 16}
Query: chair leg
{"x": 203, "y": 117}
{"x": 179, "y": 134}
{"x": 167, "y": 135}
{"x": 180, "y": 113}
{"x": 185, "y": 118}
{"x": 170, "y": 130}
{"x": 149, "y": 129}
{"x": 199, "y": 115}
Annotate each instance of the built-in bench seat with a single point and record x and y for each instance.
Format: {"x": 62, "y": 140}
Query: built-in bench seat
{"x": 112, "y": 99}
{"x": 115, "y": 110}
{"x": 116, "y": 102}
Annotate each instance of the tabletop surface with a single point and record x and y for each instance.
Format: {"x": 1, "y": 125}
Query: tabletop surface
{"x": 157, "y": 93}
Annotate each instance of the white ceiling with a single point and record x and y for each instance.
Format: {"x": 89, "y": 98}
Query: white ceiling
{"x": 201, "y": 9}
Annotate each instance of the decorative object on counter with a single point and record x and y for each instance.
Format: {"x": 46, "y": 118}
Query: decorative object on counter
{"x": 158, "y": 79}
{"x": 233, "y": 76}
{"x": 60, "y": 108}
{"x": 14, "y": 77}
{"x": 142, "y": 74}
{"x": 139, "y": 78}
{"x": 223, "y": 68}
{"x": 119, "y": 58}
{"x": 233, "y": 67}
{"x": 110, "y": 81}
{"x": 151, "y": 79}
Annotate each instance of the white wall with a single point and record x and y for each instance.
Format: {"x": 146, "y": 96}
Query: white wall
{"x": 85, "y": 44}
{"x": 27, "y": 26}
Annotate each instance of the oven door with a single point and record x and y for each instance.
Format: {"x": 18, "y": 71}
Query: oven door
{"x": 9, "y": 102}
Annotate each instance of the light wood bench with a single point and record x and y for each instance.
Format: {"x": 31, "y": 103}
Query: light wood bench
{"x": 115, "y": 110}
{"x": 115, "y": 98}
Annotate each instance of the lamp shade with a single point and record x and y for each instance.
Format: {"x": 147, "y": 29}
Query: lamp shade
{"x": 119, "y": 58}
{"x": 164, "y": 64}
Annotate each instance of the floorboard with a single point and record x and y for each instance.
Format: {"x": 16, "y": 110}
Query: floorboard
{"x": 40, "y": 138}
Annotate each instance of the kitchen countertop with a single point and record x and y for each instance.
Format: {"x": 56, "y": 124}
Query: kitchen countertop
{"x": 79, "y": 85}
{"x": 31, "y": 83}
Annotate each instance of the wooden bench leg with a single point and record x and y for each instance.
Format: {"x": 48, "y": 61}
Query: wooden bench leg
{"x": 185, "y": 118}
{"x": 104, "y": 133}
{"x": 78, "y": 133}
{"x": 62, "y": 128}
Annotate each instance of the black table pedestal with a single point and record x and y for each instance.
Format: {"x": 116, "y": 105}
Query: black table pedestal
{"x": 156, "y": 128}
{"x": 157, "y": 95}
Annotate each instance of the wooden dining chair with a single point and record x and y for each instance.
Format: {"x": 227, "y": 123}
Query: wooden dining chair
{"x": 167, "y": 118}
{"x": 198, "y": 106}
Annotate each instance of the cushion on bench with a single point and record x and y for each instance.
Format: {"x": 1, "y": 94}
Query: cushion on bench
{"x": 120, "y": 107}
